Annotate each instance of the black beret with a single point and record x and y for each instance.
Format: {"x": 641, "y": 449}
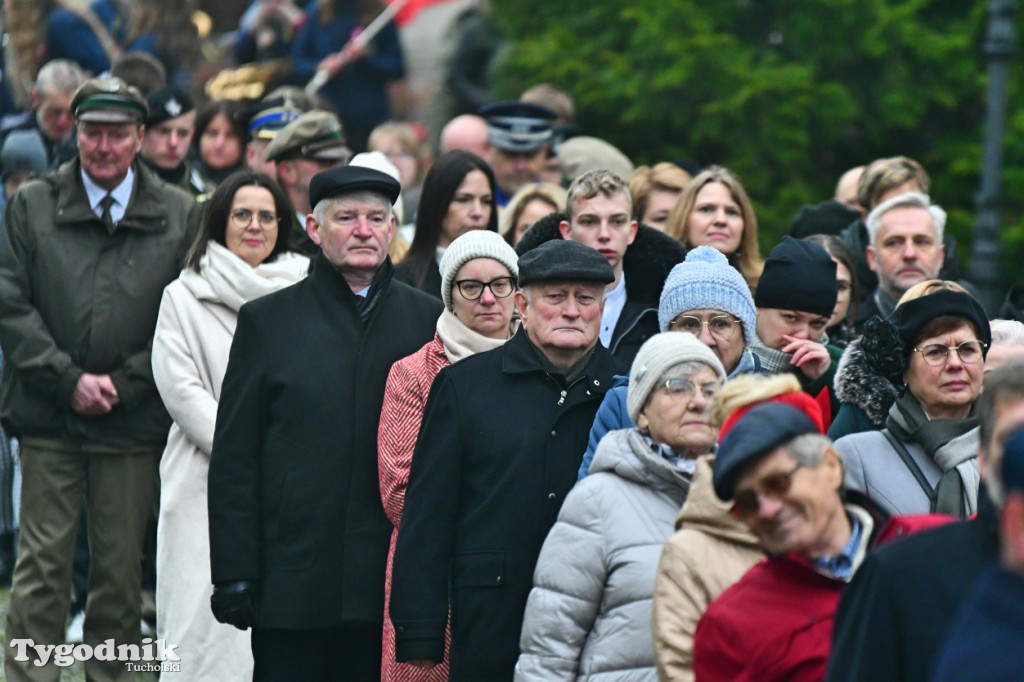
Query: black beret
{"x": 564, "y": 261}
{"x": 340, "y": 180}
{"x": 910, "y": 317}
{"x": 166, "y": 103}
{"x": 755, "y": 434}
{"x": 799, "y": 276}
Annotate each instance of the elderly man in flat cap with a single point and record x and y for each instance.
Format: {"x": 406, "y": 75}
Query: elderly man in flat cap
{"x": 298, "y": 534}
{"x": 85, "y": 255}
{"x": 518, "y": 134}
{"x": 784, "y": 480}
{"x": 502, "y": 436}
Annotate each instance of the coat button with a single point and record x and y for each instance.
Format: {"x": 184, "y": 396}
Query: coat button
{"x": 498, "y": 580}
{"x": 596, "y": 382}
{"x": 551, "y": 496}
{"x": 554, "y": 433}
{"x": 400, "y": 628}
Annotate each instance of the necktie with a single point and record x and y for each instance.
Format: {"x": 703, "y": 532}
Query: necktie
{"x": 108, "y": 220}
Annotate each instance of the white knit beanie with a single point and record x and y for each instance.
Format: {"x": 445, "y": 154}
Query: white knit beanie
{"x": 656, "y": 357}
{"x": 474, "y": 244}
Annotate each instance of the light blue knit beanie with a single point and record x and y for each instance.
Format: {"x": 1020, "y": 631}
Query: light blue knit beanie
{"x": 705, "y": 280}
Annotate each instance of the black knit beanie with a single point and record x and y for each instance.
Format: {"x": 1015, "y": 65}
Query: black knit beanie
{"x": 799, "y": 276}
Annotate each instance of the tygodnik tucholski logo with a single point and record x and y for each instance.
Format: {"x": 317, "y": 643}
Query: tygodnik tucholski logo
{"x": 152, "y": 656}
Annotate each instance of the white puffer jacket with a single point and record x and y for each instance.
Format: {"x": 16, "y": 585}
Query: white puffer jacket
{"x": 589, "y": 613}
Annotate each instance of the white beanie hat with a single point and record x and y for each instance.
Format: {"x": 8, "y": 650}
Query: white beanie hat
{"x": 656, "y": 357}
{"x": 474, "y": 244}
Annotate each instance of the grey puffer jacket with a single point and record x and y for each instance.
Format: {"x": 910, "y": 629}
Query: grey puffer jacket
{"x": 589, "y": 613}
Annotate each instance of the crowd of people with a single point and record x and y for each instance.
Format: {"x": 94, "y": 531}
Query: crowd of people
{"x": 304, "y": 399}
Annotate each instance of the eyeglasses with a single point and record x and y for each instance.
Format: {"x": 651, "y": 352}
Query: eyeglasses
{"x": 242, "y": 218}
{"x": 472, "y": 289}
{"x": 686, "y": 389}
{"x": 721, "y": 326}
{"x": 774, "y": 486}
{"x": 969, "y": 352}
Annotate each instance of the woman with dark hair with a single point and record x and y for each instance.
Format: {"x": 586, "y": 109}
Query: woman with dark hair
{"x": 218, "y": 145}
{"x": 242, "y": 252}
{"x": 847, "y": 300}
{"x": 458, "y": 196}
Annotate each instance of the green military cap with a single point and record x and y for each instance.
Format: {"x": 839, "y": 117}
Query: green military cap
{"x": 109, "y": 100}
{"x": 313, "y": 135}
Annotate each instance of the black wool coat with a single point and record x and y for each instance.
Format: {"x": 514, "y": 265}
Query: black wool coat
{"x": 646, "y": 265}
{"x": 498, "y": 451}
{"x": 894, "y": 616}
{"x": 294, "y": 497}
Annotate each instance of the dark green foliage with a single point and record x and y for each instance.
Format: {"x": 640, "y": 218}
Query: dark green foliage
{"x": 786, "y": 93}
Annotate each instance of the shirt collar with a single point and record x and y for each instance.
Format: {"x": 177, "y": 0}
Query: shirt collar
{"x": 840, "y": 566}
{"x": 122, "y": 193}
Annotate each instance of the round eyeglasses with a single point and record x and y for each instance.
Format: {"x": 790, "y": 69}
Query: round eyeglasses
{"x": 969, "y": 352}
{"x": 774, "y": 486}
{"x": 472, "y": 289}
{"x": 721, "y": 326}
{"x": 242, "y": 218}
{"x": 686, "y": 389}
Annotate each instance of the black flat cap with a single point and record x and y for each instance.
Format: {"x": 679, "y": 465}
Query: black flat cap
{"x": 561, "y": 260}
{"x": 754, "y": 435}
{"x": 166, "y": 103}
{"x": 340, "y": 180}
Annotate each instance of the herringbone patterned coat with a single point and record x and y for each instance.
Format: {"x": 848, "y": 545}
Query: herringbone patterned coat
{"x": 404, "y": 399}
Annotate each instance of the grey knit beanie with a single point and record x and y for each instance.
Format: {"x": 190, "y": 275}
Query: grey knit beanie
{"x": 657, "y": 356}
{"x": 706, "y": 280}
{"x": 474, "y": 244}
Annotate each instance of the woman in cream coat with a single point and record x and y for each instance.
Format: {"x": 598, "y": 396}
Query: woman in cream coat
{"x": 242, "y": 253}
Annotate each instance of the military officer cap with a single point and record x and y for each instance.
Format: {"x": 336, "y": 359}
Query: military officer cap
{"x": 518, "y": 126}
{"x": 340, "y": 180}
{"x": 108, "y": 100}
{"x": 264, "y": 120}
{"x": 561, "y": 260}
{"x": 313, "y": 135}
{"x": 166, "y": 103}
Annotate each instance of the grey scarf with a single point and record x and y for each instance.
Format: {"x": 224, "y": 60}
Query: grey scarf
{"x": 951, "y": 443}
{"x": 775, "y": 361}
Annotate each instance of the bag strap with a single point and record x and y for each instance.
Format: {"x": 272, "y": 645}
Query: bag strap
{"x": 908, "y": 460}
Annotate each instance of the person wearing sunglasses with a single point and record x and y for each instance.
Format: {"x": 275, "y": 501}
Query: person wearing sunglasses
{"x": 589, "y": 613}
{"x": 478, "y": 277}
{"x": 708, "y": 298}
{"x": 932, "y": 350}
{"x": 784, "y": 480}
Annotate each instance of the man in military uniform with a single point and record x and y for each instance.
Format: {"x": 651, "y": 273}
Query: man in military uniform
{"x": 169, "y": 128}
{"x": 85, "y": 254}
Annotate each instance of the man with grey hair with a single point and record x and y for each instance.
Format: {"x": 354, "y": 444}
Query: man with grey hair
{"x": 484, "y": 489}
{"x": 905, "y": 247}
{"x": 298, "y": 534}
{"x": 50, "y": 116}
{"x": 784, "y": 480}
{"x": 894, "y": 617}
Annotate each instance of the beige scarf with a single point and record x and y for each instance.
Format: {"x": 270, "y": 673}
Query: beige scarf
{"x": 460, "y": 341}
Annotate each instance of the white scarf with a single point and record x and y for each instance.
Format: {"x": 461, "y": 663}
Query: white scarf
{"x": 225, "y": 278}
{"x": 460, "y": 341}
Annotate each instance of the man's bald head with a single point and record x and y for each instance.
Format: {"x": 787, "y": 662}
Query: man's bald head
{"x": 468, "y": 132}
{"x": 846, "y": 189}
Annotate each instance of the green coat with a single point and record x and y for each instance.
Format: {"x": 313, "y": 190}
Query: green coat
{"x": 76, "y": 299}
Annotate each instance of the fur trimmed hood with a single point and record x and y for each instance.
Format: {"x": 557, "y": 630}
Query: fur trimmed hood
{"x": 648, "y": 260}
{"x": 857, "y": 383}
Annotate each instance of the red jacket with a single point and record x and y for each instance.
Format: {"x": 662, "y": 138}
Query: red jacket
{"x": 776, "y": 622}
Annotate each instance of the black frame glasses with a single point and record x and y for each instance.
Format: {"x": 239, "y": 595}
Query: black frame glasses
{"x": 937, "y": 354}
{"x": 242, "y": 218}
{"x": 473, "y": 289}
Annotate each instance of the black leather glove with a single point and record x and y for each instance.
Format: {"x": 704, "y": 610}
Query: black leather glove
{"x": 234, "y": 603}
